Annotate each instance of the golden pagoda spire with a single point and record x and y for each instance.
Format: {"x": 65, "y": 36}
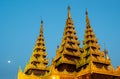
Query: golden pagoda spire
{"x": 68, "y": 53}
{"x": 87, "y": 19}
{"x": 89, "y": 36}
{"x": 92, "y": 57}
{"x": 38, "y": 62}
{"x": 41, "y": 27}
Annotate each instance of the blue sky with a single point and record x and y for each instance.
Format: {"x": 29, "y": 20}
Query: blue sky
{"x": 20, "y": 24}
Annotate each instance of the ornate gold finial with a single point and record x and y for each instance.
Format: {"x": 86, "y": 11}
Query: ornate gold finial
{"x": 87, "y": 19}
{"x": 86, "y": 12}
{"x": 41, "y": 27}
{"x": 41, "y": 21}
{"x": 69, "y": 16}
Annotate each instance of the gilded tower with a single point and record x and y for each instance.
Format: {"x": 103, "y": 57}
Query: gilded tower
{"x": 37, "y": 65}
{"x": 68, "y": 54}
{"x": 71, "y": 61}
{"x": 94, "y": 63}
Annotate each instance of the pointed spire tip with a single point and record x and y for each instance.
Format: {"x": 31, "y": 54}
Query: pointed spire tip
{"x": 41, "y": 21}
{"x": 68, "y": 7}
{"x": 86, "y": 12}
{"x": 41, "y": 27}
{"x": 69, "y": 16}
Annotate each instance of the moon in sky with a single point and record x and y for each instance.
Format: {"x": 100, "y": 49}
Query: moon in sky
{"x": 9, "y": 61}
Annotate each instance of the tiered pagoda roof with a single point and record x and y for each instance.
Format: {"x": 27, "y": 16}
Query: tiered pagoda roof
{"x": 93, "y": 60}
{"x": 91, "y": 48}
{"x": 38, "y": 62}
{"x": 68, "y": 53}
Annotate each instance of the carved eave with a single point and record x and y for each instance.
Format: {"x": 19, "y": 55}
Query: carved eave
{"x": 39, "y": 47}
{"x": 40, "y": 53}
{"x": 75, "y": 54}
{"x": 63, "y": 60}
{"x": 29, "y": 66}
{"x": 101, "y": 61}
{"x": 91, "y": 69}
